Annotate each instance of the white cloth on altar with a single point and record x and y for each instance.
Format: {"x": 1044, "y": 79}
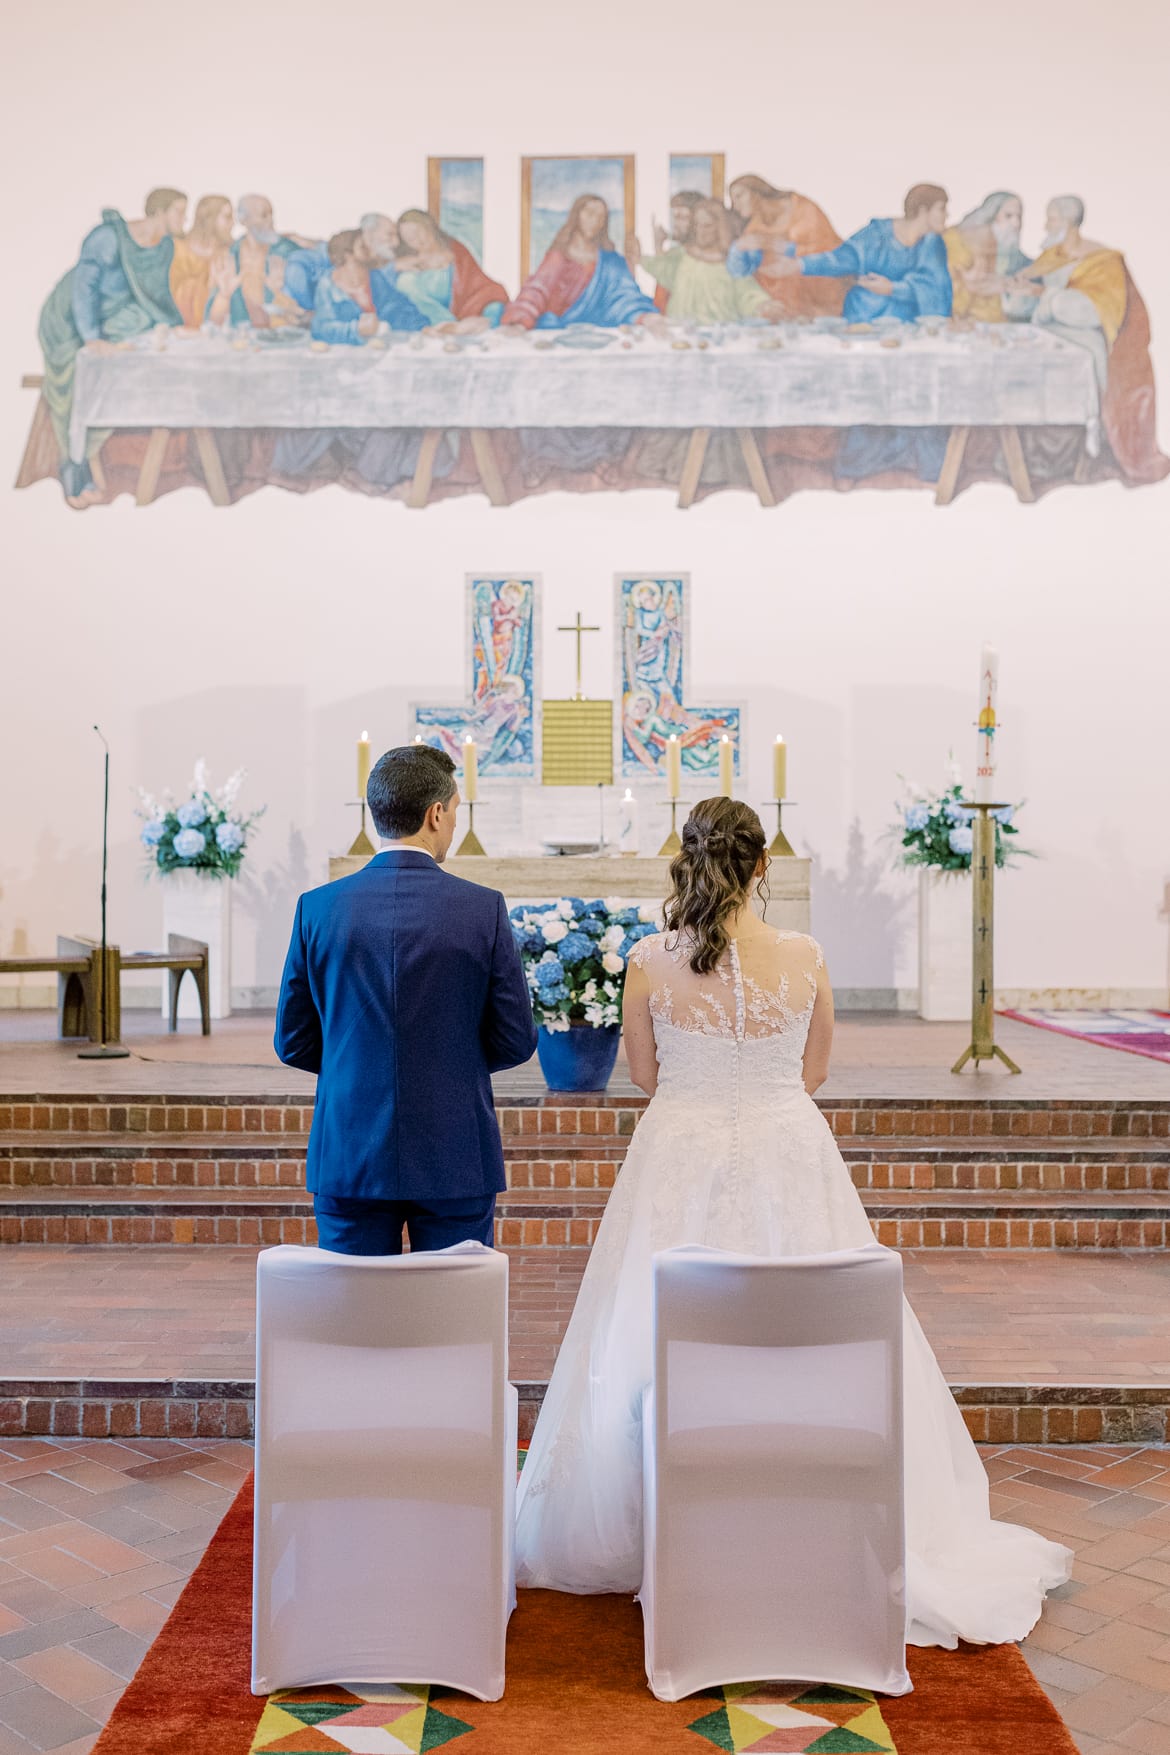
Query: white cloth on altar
{"x": 999, "y": 375}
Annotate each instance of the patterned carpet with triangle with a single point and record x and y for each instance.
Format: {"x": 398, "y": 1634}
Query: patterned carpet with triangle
{"x": 576, "y": 1686}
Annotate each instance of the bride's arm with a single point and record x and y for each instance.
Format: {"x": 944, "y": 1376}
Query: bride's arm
{"x": 819, "y": 1045}
{"x": 638, "y": 1027}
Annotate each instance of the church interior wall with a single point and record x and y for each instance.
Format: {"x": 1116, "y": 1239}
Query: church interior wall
{"x": 272, "y": 633}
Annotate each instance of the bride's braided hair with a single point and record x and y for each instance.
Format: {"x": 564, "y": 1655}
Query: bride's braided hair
{"x": 722, "y": 844}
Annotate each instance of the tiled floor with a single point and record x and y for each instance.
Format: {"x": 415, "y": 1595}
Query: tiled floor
{"x": 873, "y": 1056}
{"x": 96, "y": 1540}
{"x": 1007, "y": 1316}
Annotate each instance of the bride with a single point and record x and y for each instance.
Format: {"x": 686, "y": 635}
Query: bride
{"x": 728, "y": 1027}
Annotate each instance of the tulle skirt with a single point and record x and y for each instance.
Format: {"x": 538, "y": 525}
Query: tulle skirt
{"x": 778, "y": 1187}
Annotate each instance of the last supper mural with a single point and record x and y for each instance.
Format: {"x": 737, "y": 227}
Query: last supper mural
{"x": 749, "y": 341}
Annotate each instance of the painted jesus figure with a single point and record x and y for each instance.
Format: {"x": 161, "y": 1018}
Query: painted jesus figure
{"x": 582, "y": 279}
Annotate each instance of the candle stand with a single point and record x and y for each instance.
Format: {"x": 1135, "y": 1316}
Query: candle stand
{"x": 673, "y": 843}
{"x": 362, "y": 843}
{"x": 781, "y": 847}
{"x": 470, "y": 844}
{"x": 983, "y": 1045}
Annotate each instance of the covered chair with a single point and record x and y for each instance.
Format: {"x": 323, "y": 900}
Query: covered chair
{"x": 772, "y": 1469}
{"x": 385, "y": 1469}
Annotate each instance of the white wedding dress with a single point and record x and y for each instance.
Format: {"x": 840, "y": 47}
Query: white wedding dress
{"x": 733, "y": 1153}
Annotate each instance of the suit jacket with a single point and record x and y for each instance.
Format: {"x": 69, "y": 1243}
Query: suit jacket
{"x": 403, "y": 989}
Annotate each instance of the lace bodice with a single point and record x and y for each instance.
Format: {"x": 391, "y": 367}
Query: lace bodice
{"x": 757, "y": 1001}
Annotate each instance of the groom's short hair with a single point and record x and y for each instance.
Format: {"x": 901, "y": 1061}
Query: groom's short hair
{"x": 404, "y": 784}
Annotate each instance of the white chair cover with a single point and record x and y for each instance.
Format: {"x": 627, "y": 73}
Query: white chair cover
{"x": 772, "y": 1464}
{"x": 385, "y": 1469}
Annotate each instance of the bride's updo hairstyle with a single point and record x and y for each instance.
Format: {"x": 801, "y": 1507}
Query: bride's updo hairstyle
{"x": 722, "y": 844}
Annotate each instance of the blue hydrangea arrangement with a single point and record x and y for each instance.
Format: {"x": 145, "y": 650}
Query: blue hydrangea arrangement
{"x": 206, "y": 833}
{"x": 936, "y": 831}
{"x": 574, "y": 955}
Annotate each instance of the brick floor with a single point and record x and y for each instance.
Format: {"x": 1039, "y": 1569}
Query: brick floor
{"x": 97, "y": 1539}
{"x": 882, "y": 1056}
{"x": 992, "y": 1316}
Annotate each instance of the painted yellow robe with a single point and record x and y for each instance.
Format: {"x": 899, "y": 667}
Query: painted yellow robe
{"x": 190, "y": 282}
{"x": 961, "y": 258}
{"x": 1100, "y": 276}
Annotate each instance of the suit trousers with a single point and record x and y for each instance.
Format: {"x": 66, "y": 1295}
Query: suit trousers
{"x": 374, "y": 1227}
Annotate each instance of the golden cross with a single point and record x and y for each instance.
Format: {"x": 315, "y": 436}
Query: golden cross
{"x": 578, "y": 628}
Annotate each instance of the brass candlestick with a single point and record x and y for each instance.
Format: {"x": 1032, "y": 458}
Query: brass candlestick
{"x": 983, "y": 1045}
{"x": 781, "y": 847}
{"x": 362, "y": 847}
{"x": 470, "y": 846}
{"x": 673, "y": 842}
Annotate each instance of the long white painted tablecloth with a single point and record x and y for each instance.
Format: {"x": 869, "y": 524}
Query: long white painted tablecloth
{"x": 1003, "y": 375}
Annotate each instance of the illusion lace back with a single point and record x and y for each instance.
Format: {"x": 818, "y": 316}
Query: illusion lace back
{"x": 734, "y": 1154}
{"x": 758, "y": 1001}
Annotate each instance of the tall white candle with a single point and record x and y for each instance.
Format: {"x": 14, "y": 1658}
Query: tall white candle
{"x": 779, "y": 767}
{"x": 986, "y": 753}
{"x": 726, "y": 767}
{"x": 470, "y": 770}
{"x": 673, "y": 766}
{"x": 363, "y": 763}
{"x": 628, "y": 824}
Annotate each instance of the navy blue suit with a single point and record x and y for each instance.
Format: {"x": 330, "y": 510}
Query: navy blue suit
{"x": 403, "y": 990}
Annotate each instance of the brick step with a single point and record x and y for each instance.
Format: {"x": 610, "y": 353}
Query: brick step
{"x": 1036, "y": 1348}
{"x": 231, "y": 1160}
{"x": 984, "y": 1164}
{"x": 863, "y": 1117}
{"x": 559, "y": 1218}
{"x": 996, "y": 1413}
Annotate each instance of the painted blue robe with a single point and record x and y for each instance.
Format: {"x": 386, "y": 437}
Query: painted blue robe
{"x": 302, "y": 270}
{"x": 921, "y": 279}
{"x": 336, "y": 315}
{"x": 921, "y": 288}
{"x": 612, "y": 297}
{"x": 742, "y": 261}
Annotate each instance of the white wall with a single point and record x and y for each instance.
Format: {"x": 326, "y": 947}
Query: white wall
{"x": 271, "y": 633}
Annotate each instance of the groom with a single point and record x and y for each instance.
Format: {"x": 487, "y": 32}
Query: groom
{"x": 403, "y": 989}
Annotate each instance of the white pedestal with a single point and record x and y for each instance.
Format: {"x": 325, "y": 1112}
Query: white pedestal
{"x": 200, "y": 907}
{"x": 944, "y": 944}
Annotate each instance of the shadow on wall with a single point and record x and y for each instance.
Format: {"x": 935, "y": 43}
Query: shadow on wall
{"x": 1164, "y": 914}
{"x": 61, "y": 872}
{"x": 269, "y": 897}
{"x": 859, "y": 920}
{"x": 383, "y": 712}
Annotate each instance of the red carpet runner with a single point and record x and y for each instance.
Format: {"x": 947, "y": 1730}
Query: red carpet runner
{"x": 576, "y": 1686}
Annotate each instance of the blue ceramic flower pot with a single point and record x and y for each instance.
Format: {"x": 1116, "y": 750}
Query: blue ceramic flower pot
{"x": 579, "y": 1058}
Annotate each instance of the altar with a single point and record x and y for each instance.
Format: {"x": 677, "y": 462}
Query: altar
{"x": 541, "y": 878}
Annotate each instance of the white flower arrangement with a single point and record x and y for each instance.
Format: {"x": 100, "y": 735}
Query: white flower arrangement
{"x": 205, "y": 833}
{"x": 935, "y": 827}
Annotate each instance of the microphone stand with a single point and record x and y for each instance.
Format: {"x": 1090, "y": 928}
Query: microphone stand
{"x": 104, "y": 1050}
